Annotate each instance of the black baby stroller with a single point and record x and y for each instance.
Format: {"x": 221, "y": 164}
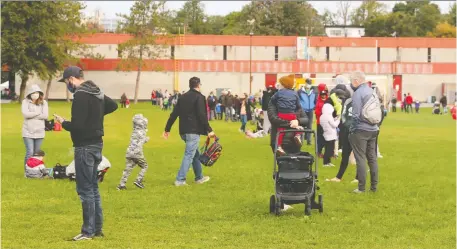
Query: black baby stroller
{"x": 295, "y": 179}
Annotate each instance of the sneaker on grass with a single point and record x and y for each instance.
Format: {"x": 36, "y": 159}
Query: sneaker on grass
{"x": 203, "y": 180}
{"x": 120, "y": 187}
{"x": 180, "y": 183}
{"x": 138, "y": 184}
{"x": 82, "y": 236}
{"x": 99, "y": 234}
{"x": 357, "y": 191}
{"x": 355, "y": 181}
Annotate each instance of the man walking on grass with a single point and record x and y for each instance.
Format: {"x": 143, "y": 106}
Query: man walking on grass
{"x": 363, "y": 133}
{"x": 193, "y": 122}
{"x": 89, "y": 107}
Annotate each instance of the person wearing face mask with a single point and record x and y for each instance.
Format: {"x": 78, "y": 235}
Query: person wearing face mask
{"x": 35, "y": 111}
{"x": 308, "y": 103}
{"x": 88, "y": 109}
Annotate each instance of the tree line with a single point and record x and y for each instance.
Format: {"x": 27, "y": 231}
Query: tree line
{"x": 38, "y": 38}
{"x": 410, "y": 19}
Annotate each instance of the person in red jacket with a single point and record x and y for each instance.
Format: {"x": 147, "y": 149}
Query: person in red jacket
{"x": 454, "y": 111}
{"x": 323, "y": 96}
{"x": 409, "y": 103}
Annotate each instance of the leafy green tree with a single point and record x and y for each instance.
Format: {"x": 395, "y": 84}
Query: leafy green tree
{"x": 452, "y": 14}
{"x": 147, "y": 25}
{"x": 193, "y": 15}
{"x": 37, "y": 38}
{"x": 426, "y": 18}
{"x": 367, "y": 10}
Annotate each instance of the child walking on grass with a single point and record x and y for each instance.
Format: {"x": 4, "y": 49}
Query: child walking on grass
{"x": 135, "y": 155}
{"x": 329, "y": 125}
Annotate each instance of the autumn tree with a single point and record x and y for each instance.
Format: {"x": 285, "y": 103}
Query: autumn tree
{"x": 443, "y": 30}
{"x": 146, "y": 24}
{"x": 343, "y": 12}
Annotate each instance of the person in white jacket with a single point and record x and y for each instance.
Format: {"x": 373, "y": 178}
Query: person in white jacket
{"x": 329, "y": 125}
{"x": 35, "y": 111}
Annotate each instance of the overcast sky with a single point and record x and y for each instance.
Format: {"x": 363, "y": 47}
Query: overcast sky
{"x": 110, "y": 8}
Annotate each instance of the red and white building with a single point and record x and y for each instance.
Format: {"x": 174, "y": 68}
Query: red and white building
{"x": 419, "y": 66}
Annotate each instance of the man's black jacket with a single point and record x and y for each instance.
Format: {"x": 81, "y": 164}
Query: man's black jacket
{"x": 193, "y": 117}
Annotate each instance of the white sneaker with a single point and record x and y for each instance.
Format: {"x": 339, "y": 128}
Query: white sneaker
{"x": 331, "y": 165}
{"x": 340, "y": 151}
{"x": 380, "y": 156}
{"x": 355, "y": 181}
{"x": 326, "y": 165}
{"x": 180, "y": 183}
{"x": 203, "y": 180}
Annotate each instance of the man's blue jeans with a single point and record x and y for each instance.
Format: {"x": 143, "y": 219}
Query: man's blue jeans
{"x": 244, "y": 120}
{"x": 87, "y": 159}
{"x": 191, "y": 156}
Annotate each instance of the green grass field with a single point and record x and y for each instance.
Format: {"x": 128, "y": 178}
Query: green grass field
{"x": 413, "y": 208}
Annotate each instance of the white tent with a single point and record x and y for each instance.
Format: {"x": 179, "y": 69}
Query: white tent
{"x": 4, "y": 85}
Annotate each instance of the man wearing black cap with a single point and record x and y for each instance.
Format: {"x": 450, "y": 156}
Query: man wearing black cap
{"x": 193, "y": 122}
{"x": 89, "y": 107}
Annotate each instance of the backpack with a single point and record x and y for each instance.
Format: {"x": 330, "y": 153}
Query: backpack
{"x": 209, "y": 155}
{"x": 49, "y": 125}
{"x": 371, "y": 110}
{"x": 346, "y": 113}
{"x": 59, "y": 172}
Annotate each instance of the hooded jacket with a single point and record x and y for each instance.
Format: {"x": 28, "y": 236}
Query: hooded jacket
{"x": 35, "y": 168}
{"x": 89, "y": 107}
{"x": 34, "y": 115}
{"x": 307, "y": 99}
{"x": 320, "y": 102}
{"x": 138, "y": 137}
{"x": 328, "y": 123}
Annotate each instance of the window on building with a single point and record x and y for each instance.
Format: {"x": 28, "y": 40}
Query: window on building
{"x": 327, "y": 53}
{"x": 172, "y": 50}
{"x": 378, "y": 54}
{"x": 225, "y": 53}
{"x": 276, "y": 53}
{"x": 336, "y": 32}
{"x": 429, "y": 55}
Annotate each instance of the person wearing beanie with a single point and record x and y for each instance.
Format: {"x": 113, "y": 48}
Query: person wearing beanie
{"x": 288, "y": 104}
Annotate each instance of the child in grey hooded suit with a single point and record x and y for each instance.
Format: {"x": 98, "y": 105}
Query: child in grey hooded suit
{"x": 135, "y": 154}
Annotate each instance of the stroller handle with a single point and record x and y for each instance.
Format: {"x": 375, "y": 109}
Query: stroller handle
{"x": 297, "y": 130}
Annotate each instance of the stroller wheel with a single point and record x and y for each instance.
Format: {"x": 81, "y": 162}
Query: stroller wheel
{"x": 321, "y": 203}
{"x": 308, "y": 207}
{"x": 272, "y": 204}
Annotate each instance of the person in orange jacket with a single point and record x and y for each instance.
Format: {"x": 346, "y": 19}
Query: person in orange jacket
{"x": 323, "y": 96}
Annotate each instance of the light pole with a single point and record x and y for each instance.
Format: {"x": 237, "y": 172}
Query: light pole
{"x": 251, "y": 33}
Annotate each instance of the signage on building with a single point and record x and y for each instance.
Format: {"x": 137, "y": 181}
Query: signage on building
{"x": 302, "y": 48}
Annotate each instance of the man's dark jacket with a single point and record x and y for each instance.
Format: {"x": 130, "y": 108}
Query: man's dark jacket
{"x": 193, "y": 117}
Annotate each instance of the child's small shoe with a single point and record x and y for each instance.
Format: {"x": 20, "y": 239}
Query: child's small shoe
{"x": 280, "y": 152}
{"x": 298, "y": 140}
{"x": 138, "y": 184}
{"x": 120, "y": 187}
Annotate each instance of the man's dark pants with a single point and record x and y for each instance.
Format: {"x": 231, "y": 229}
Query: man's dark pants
{"x": 87, "y": 159}
{"x": 310, "y": 115}
{"x": 363, "y": 144}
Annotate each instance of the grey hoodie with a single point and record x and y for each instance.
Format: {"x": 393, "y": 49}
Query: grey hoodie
{"x": 360, "y": 97}
{"x": 90, "y": 88}
{"x": 34, "y": 115}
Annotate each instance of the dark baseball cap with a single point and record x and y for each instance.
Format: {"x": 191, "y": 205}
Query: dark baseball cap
{"x": 70, "y": 71}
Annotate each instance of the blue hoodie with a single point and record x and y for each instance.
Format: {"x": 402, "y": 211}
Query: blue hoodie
{"x": 307, "y": 100}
